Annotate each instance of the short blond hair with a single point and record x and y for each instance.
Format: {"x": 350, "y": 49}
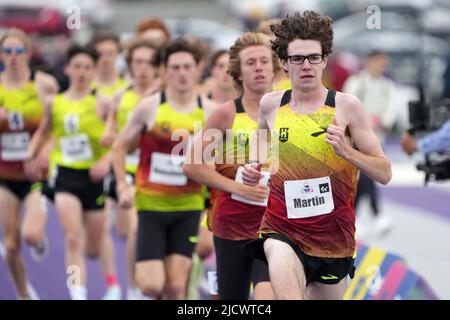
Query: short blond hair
{"x": 19, "y": 34}
{"x": 249, "y": 39}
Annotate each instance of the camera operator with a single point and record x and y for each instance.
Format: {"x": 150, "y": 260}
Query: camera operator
{"x": 436, "y": 141}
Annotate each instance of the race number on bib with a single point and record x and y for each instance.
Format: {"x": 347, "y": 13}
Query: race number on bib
{"x": 76, "y": 148}
{"x": 15, "y": 145}
{"x": 308, "y": 198}
{"x": 264, "y": 180}
{"x": 167, "y": 169}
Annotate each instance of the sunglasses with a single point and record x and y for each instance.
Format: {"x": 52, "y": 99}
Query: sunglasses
{"x": 9, "y": 50}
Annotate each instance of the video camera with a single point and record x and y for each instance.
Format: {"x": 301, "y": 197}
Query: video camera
{"x": 425, "y": 118}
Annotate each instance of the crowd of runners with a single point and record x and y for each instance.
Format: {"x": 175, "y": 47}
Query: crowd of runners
{"x": 242, "y": 157}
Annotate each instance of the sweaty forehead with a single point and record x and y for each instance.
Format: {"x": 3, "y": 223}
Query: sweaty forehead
{"x": 254, "y": 52}
{"x": 143, "y": 52}
{"x": 12, "y": 41}
{"x": 304, "y": 47}
{"x": 181, "y": 57}
{"x": 82, "y": 58}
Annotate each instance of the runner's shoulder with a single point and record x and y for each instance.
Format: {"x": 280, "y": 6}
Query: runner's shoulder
{"x": 147, "y": 105}
{"x": 347, "y": 100}
{"x": 223, "y": 115}
{"x": 270, "y": 101}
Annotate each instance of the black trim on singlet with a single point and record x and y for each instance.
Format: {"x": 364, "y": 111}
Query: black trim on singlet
{"x": 164, "y": 99}
{"x": 209, "y": 95}
{"x": 331, "y": 98}
{"x": 94, "y": 91}
{"x": 286, "y": 97}
{"x": 239, "y": 105}
{"x": 329, "y": 101}
{"x": 33, "y": 74}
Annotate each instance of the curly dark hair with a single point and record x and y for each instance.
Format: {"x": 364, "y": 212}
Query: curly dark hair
{"x": 309, "y": 26}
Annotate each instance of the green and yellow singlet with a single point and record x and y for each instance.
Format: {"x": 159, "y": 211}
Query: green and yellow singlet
{"x": 24, "y": 112}
{"x": 110, "y": 91}
{"x": 160, "y": 182}
{"x": 77, "y": 129}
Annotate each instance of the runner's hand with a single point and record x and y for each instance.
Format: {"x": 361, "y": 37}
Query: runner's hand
{"x": 251, "y": 174}
{"x": 42, "y": 161}
{"x": 32, "y": 170}
{"x": 259, "y": 192}
{"x": 125, "y": 193}
{"x": 107, "y": 140}
{"x": 99, "y": 170}
{"x": 338, "y": 140}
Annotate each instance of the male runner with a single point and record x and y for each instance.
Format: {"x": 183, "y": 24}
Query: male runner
{"x": 308, "y": 229}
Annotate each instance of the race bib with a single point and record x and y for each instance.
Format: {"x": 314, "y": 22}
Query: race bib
{"x": 15, "y": 145}
{"x": 167, "y": 169}
{"x": 264, "y": 180}
{"x": 76, "y": 148}
{"x": 308, "y": 198}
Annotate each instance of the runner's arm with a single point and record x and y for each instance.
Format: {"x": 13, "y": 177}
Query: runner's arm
{"x": 369, "y": 156}
{"x": 142, "y": 119}
{"x": 200, "y": 170}
{"x": 46, "y": 85}
{"x": 260, "y": 141}
{"x": 42, "y": 134}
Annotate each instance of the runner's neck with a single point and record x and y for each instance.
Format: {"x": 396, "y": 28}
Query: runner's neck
{"x": 106, "y": 77}
{"x": 16, "y": 78}
{"x": 250, "y": 102}
{"x": 308, "y": 102}
{"x": 181, "y": 101}
{"x": 77, "y": 93}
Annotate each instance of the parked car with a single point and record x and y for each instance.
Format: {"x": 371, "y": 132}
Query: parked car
{"x": 33, "y": 17}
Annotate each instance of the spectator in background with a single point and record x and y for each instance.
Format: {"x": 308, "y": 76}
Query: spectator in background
{"x": 341, "y": 66}
{"x": 376, "y": 93}
{"x": 436, "y": 141}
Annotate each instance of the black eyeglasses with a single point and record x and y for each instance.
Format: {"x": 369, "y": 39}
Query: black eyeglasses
{"x": 312, "y": 58}
{"x": 9, "y": 50}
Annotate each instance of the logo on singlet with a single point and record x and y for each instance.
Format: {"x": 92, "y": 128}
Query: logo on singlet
{"x": 71, "y": 123}
{"x": 284, "y": 134}
{"x": 15, "y": 120}
{"x": 243, "y": 139}
{"x": 318, "y": 133}
{"x": 165, "y": 126}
